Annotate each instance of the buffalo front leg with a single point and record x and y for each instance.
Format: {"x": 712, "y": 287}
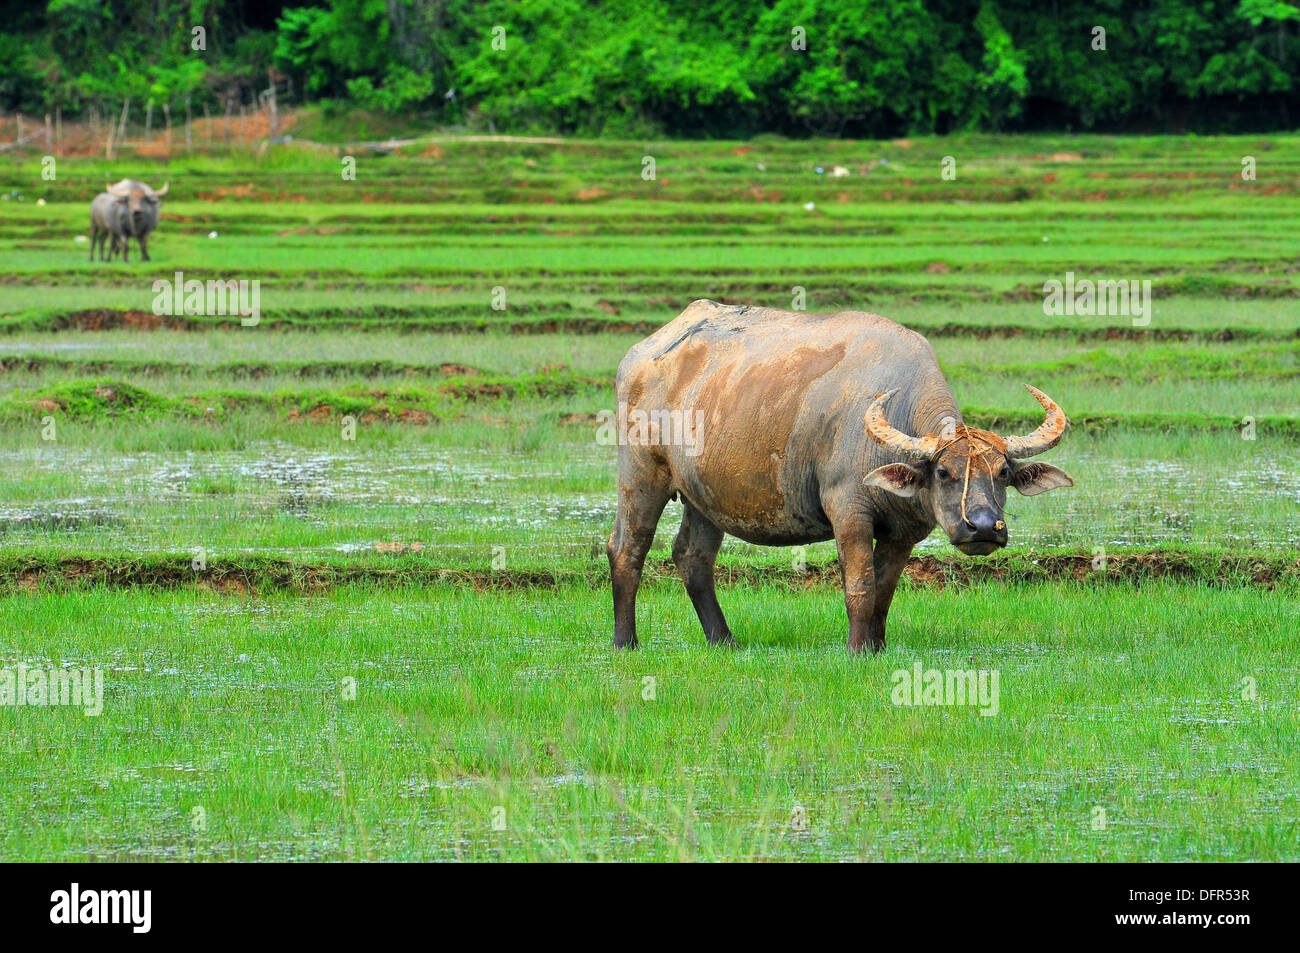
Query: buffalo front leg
{"x": 143, "y": 242}
{"x": 888, "y": 564}
{"x": 695, "y": 551}
{"x": 857, "y": 571}
{"x": 641, "y": 501}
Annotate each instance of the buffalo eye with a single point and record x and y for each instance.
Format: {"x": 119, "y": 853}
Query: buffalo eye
{"x": 944, "y": 474}
{"x": 1005, "y": 473}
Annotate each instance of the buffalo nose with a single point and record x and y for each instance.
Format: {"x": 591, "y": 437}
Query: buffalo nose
{"x": 986, "y": 525}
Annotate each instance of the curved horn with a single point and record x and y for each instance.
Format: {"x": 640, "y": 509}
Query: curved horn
{"x": 112, "y": 191}
{"x": 163, "y": 191}
{"x": 881, "y": 431}
{"x": 1048, "y": 434}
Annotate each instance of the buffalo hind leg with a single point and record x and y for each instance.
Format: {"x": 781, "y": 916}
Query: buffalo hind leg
{"x": 640, "y": 504}
{"x": 695, "y": 551}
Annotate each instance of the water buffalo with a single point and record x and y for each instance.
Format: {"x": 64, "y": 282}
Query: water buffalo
{"x": 126, "y": 210}
{"x": 107, "y": 218}
{"x": 784, "y": 428}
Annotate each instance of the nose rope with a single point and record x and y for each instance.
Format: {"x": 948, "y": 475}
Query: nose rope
{"x": 964, "y": 487}
{"x": 964, "y": 433}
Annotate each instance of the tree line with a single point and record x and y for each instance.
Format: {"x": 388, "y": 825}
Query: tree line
{"x": 708, "y": 68}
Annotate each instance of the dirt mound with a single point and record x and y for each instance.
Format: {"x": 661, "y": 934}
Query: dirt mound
{"x": 257, "y": 574}
{"x": 105, "y": 319}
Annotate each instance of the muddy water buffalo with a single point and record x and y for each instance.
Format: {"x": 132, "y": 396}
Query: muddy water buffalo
{"x": 125, "y": 210}
{"x": 784, "y": 428}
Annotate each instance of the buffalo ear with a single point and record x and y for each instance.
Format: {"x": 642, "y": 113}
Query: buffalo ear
{"x": 1034, "y": 478}
{"x": 902, "y": 479}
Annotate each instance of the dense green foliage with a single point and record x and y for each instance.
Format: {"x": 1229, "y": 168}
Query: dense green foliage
{"x": 711, "y": 68}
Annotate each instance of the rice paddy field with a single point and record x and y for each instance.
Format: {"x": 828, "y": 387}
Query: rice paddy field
{"x": 343, "y": 569}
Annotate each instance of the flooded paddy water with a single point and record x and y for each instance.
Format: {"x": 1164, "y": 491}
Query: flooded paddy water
{"x": 466, "y": 507}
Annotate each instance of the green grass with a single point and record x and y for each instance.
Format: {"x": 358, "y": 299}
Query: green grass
{"x": 1126, "y": 700}
{"x": 338, "y": 352}
{"x": 448, "y": 376}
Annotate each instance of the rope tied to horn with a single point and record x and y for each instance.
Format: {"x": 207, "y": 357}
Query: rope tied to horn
{"x": 980, "y": 444}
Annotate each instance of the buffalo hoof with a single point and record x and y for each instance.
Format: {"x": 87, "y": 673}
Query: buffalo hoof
{"x": 872, "y": 647}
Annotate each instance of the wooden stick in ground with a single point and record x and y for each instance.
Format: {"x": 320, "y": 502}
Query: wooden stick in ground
{"x": 115, "y": 138}
{"x": 274, "y": 113}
